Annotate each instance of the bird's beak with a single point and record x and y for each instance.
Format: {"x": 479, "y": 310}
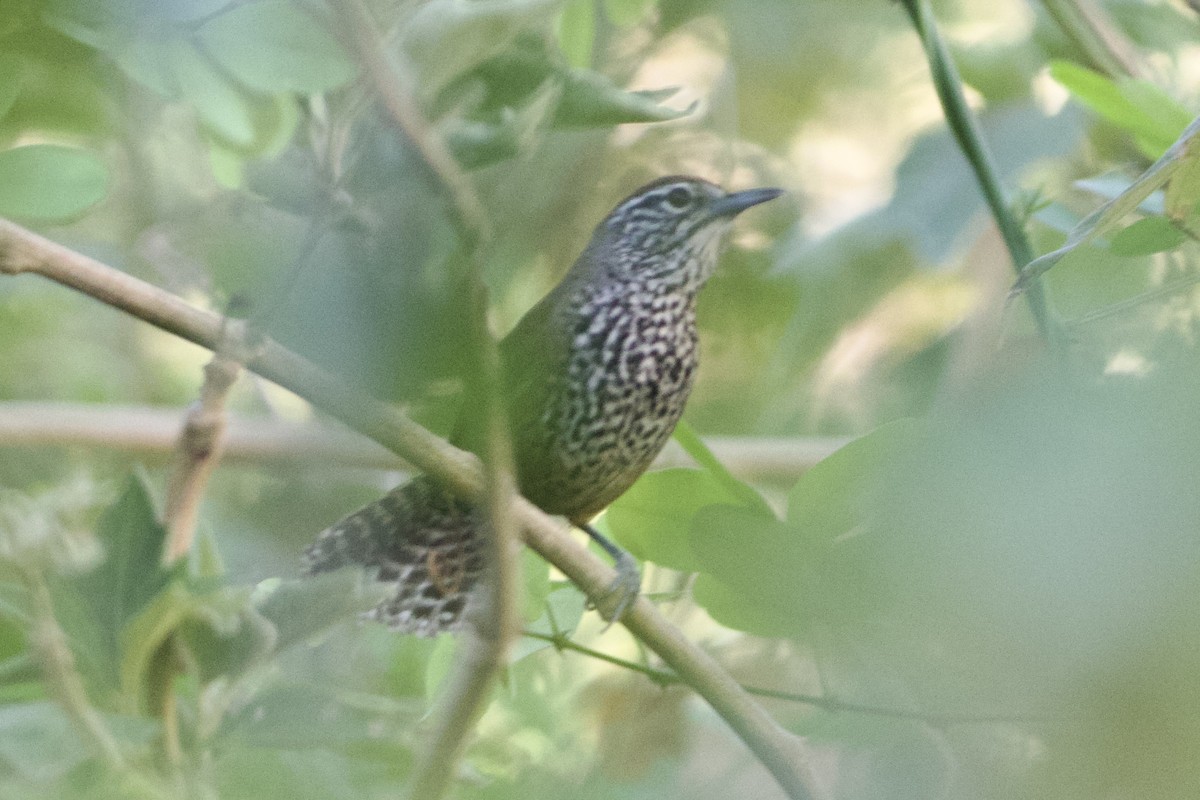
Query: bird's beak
{"x": 733, "y": 204}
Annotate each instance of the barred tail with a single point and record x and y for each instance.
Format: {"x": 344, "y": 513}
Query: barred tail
{"x": 418, "y": 536}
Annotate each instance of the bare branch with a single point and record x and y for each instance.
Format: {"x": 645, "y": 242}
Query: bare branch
{"x": 150, "y": 432}
{"x": 781, "y": 752}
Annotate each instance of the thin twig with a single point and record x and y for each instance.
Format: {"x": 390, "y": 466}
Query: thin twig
{"x": 781, "y": 752}
{"x": 665, "y": 677}
{"x": 149, "y": 432}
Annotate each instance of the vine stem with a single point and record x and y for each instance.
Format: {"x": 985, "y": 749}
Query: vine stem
{"x": 966, "y": 131}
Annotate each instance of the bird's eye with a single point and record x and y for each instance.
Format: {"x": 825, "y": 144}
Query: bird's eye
{"x": 679, "y": 198}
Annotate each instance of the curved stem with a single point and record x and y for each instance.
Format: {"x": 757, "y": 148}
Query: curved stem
{"x": 965, "y": 129}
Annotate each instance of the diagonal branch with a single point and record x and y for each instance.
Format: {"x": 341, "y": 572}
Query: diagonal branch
{"x": 22, "y": 251}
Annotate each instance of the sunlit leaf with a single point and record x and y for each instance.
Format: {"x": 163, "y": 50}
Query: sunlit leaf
{"x": 1152, "y": 116}
{"x": 12, "y": 69}
{"x": 577, "y": 32}
{"x": 627, "y": 12}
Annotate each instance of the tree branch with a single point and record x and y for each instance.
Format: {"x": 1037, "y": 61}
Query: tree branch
{"x": 22, "y": 251}
{"x": 150, "y": 432}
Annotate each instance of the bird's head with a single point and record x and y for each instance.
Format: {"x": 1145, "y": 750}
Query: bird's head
{"x": 669, "y": 233}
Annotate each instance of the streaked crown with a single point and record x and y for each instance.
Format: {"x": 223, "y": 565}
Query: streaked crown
{"x": 669, "y": 233}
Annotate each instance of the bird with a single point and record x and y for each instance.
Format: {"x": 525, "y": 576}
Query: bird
{"x": 595, "y": 378}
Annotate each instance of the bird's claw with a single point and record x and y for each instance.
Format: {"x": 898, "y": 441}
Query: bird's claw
{"x": 622, "y": 591}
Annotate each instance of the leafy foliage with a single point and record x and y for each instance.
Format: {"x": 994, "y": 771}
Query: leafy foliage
{"x": 989, "y": 592}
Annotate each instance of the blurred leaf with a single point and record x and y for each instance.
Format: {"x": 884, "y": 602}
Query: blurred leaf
{"x": 50, "y": 182}
{"x": 829, "y": 500}
{"x": 440, "y": 665}
{"x": 698, "y": 450}
{"x": 762, "y": 563}
{"x": 276, "y": 46}
{"x": 1146, "y": 236}
{"x": 514, "y": 77}
{"x": 1113, "y": 185}
{"x": 728, "y": 606}
{"x": 131, "y": 575}
{"x": 301, "y": 609}
{"x": 592, "y": 100}
{"x": 447, "y": 38}
{"x": 653, "y": 517}
{"x": 937, "y": 195}
{"x": 256, "y": 773}
{"x": 11, "y": 71}
{"x": 577, "y": 32}
{"x": 38, "y": 741}
{"x": 535, "y": 574}
{"x": 627, "y": 12}
{"x": 1150, "y": 114}
{"x": 221, "y": 105}
{"x": 300, "y": 717}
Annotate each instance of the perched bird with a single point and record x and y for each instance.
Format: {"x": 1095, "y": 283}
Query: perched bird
{"x": 595, "y": 377}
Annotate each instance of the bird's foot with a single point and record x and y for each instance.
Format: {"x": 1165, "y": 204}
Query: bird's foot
{"x": 622, "y": 591}
{"x": 625, "y": 587}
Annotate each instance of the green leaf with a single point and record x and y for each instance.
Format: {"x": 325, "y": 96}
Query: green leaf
{"x": 440, "y": 664}
{"x": 828, "y": 500}
{"x": 50, "y": 182}
{"x": 1152, "y": 116}
{"x": 12, "y": 71}
{"x": 760, "y": 559}
{"x": 221, "y": 105}
{"x": 627, "y": 12}
{"x": 653, "y": 518}
{"x": 131, "y": 575}
{"x": 591, "y": 100}
{"x": 695, "y": 447}
{"x": 770, "y": 577}
{"x": 276, "y": 46}
{"x": 446, "y": 39}
{"x": 577, "y": 32}
{"x": 733, "y": 609}
{"x": 535, "y": 574}
{"x": 1146, "y": 236}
